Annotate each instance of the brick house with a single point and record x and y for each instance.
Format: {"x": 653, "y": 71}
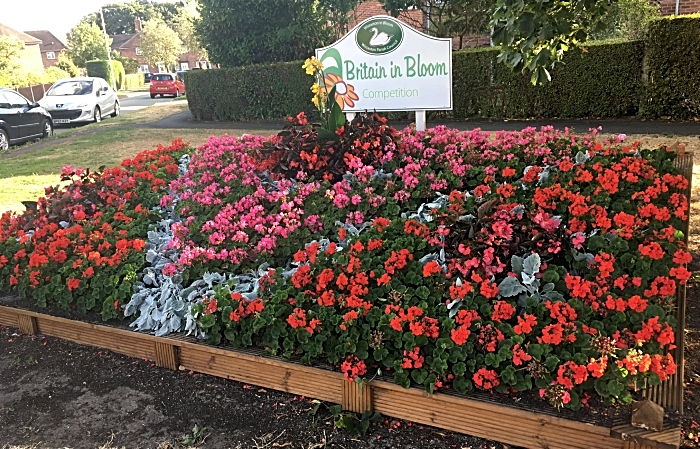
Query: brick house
{"x": 30, "y": 54}
{"x": 673, "y": 7}
{"x": 128, "y": 45}
{"x": 51, "y": 47}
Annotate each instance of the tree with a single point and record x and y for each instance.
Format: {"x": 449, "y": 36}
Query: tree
{"x": 9, "y": 53}
{"x": 448, "y": 18}
{"x": 535, "y": 34}
{"x": 338, "y": 13}
{"x": 184, "y": 26}
{"x": 238, "y": 33}
{"x": 64, "y": 63}
{"x": 119, "y": 17}
{"x": 160, "y": 44}
{"x": 628, "y": 19}
{"x": 9, "y": 66}
{"x": 85, "y": 43}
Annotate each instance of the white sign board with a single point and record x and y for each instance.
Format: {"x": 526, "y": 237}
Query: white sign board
{"x": 385, "y": 65}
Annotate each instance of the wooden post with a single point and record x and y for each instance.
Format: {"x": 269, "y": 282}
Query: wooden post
{"x": 420, "y": 120}
{"x": 356, "y": 398}
{"x": 27, "y": 324}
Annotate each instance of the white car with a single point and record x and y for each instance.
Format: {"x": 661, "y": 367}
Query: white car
{"x": 85, "y": 99}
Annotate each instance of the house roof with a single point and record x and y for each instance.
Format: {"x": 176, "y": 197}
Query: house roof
{"x": 18, "y": 35}
{"x": 122, "y": 41}
{"x": 49, "y": 42}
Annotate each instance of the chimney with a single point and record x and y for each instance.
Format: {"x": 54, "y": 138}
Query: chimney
{"x": 137, "y": 24}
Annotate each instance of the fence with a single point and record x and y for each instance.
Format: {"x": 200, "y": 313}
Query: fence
{"x": 34, "y": 93}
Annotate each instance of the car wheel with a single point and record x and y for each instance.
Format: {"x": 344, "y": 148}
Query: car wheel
{"x": 153, "y": 95}
{"x": 4, "y": 141}
{"x": 97, "y": 115}
{"x": 48, "y": 129}
{"x": 116, "y": 109}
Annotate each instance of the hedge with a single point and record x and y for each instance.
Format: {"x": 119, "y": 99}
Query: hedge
{"x": 673, "y": 51}
{"x": 604, "y": 80}
{"x": 100, "y": 69}
{"x": 133, "y": 81}
{"x": 263, "y": 91}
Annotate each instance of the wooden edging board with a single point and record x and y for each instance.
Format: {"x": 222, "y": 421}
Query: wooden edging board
{"x": 460, "y": 414}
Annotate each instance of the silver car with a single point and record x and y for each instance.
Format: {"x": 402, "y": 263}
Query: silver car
{"x": 85, "y": 99}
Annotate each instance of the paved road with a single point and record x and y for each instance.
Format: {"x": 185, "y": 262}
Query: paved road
{"x": 135, "y": 101}
{"x": 616, "y": 126}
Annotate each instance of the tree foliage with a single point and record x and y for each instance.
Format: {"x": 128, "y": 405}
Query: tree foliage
{"x": 338, "y": 13}
{"x": 184, "y": 26}
{"x": 160, "y": 44}
{"x": 237, "y": 33}
{"x": 86, "y": 42}
{"x": 119, "y": 17}
{"x": 628, "y": 19}
{"x": 535, "y": 34}
{"x": 66, "y": 64}
{"x": 9, "y": 53}
{"x": 448, "y": 18}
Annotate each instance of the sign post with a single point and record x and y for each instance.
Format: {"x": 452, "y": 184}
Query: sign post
{"x": 384, "y": 65}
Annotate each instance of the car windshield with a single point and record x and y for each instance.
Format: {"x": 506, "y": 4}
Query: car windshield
{"x": 71, "y": 88}
{"x": 162, "y": 78}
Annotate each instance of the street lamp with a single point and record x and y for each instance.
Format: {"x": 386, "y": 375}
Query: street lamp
{"x": 109, "y": 55}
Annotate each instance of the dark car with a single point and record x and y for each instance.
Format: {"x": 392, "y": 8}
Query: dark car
{"x": 147, "y": 77}
{"x": 21, "y": 120}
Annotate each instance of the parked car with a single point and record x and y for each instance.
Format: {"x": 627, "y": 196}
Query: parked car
{"x": 147, "y": 77}
{"x": 84, "y": 99}
{"x": 181, "y": 75}
{"x": 21, "y": 120}
{"x": 166, "y": 84}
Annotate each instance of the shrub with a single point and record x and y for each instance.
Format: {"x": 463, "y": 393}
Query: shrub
{"x": 100, "y": 69}
{"x": 603, "y": 81}
{"x": 53, "y": 74}
{"x": 265, "y": 91}
{"x": 66, "y": 64}
{"x": 673, "y": 50}
{"x": 133, "y": 81}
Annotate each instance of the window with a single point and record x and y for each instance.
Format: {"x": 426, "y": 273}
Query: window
{"x": 50, "y": 55}
{"x": 70, "y": 88}
{"x": 196, "y": 64}
{"x": 184, "y": 66}
{"x": 161, "y": 78}
{"x": 144, "y": 68}
{"x": 16, "y": 100}
{"x": 4, "y": 102}
{"x": 139, "y": 52}
{"x": 162, "y": 68}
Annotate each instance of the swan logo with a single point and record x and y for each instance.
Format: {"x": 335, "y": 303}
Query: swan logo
{"x": 379, "y": 36}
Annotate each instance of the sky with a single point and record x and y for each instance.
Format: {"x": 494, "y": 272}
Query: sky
{"x": 57, "y": 16}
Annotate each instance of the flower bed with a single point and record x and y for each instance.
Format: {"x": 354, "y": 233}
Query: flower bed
{"x": 534, "y": 261}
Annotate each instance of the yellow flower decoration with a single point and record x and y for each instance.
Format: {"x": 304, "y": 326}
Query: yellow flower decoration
{"x": 312, "y": 66}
